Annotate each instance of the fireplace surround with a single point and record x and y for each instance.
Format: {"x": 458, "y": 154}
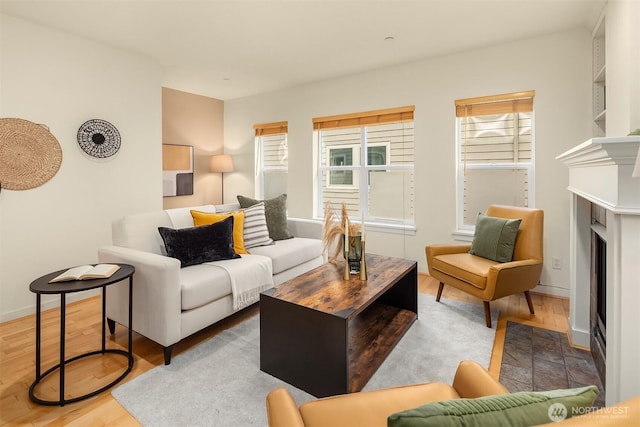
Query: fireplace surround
{"x": 600, "y": 176}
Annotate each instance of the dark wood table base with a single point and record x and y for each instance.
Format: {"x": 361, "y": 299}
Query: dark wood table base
{"x": 328, "y": 336}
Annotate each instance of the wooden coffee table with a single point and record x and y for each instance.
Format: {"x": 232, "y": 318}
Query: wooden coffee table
{"x": 328, "y": 336}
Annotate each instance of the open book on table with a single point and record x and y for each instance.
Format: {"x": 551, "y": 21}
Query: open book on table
{"x": 85, "y": 272}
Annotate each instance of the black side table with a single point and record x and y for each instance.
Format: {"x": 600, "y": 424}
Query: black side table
{"x": 42, "y": 286}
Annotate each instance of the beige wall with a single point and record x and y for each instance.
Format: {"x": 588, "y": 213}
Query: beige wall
{"x": 189, "y": 119}
{"x": 557, "y": 67}
{"x": 62, "y": 81}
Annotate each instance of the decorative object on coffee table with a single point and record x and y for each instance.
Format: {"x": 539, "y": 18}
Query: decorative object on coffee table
{"x": 99, "y": 138}
{"x": 334, "y": 229}
{"x": 363, "y": 261}
{"x": 29, "y": 154}
{"x": 347, "y": 268}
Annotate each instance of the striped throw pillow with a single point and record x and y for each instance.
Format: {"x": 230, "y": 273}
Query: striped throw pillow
{"x": 256, "y": 232}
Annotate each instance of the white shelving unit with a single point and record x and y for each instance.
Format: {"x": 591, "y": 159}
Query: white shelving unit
{"x": 599, "y": 65}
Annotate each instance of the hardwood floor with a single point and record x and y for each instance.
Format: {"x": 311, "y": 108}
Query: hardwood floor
{"x": 17, "y": 356}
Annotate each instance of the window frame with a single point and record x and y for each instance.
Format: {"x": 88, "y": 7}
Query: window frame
{"x": 490, "y": 105}
{"x": 361, "y": 172}
{"x": 263, "y": 130}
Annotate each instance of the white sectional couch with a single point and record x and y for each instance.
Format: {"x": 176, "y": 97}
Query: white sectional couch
{"x": 170, "y": 302}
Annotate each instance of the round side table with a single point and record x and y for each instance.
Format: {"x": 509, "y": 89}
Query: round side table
{"x": 42, "y": 286}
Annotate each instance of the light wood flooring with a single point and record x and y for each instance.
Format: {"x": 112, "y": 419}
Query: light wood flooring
{"x": 17, "y": 356}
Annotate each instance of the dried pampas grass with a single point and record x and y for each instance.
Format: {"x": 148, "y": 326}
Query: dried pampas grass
{"x": 333, "y": 230}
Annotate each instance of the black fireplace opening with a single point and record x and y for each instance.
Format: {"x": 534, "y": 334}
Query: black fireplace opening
{"x": 598, "y": 303}
{"x": 600, "y": 268}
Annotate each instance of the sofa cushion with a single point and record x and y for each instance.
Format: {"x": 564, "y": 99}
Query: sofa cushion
{"x": 286, "y": 254}
{"x": 206, "y": 218}
{"x": 196, "y": 245}
{"x": 256, "y": 232}
{"x": 495, "y": 238}
{"x": 276, "y": 213}
{"x": 201, "y": 284}
{"x": 181, "y": 217}
{"x": 140, "y": 231}
{"x": 515, "y": 409}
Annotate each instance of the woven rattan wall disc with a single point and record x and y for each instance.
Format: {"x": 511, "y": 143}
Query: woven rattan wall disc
{"x": 29, "y": 154}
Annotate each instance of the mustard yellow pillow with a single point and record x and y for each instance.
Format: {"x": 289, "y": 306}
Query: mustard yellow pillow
{"x": 206, "y": 218}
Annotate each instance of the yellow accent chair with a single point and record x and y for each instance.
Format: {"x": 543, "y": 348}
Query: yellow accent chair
{"x": 454, "y": 265}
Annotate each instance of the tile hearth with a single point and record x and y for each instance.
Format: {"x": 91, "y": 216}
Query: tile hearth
{"x": 537, "y": 359}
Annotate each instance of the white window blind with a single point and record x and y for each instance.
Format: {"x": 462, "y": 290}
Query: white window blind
{"x": 495, "y": 153}
{"x": 272, "y": 159}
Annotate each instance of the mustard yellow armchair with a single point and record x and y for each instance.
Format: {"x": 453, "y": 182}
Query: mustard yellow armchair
{"x": 453, "y": 265}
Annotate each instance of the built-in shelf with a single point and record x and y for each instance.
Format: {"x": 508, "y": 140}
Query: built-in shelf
{"x": 601, "y": 75}
{"x": 602, "y": 117}
{"x": 599, "y": 70}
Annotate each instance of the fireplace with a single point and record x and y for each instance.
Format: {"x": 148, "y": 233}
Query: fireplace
{"x": 604, "y": 284}
{"x": 598, "y": 292}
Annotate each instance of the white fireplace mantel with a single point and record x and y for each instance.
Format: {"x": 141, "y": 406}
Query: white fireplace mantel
{"x": 600, "y": 172}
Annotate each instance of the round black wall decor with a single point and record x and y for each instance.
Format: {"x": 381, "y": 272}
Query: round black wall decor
{"x": 99, "y": 138}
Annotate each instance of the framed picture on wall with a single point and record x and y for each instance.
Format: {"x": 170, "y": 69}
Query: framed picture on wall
{"x": 177, "y": 170}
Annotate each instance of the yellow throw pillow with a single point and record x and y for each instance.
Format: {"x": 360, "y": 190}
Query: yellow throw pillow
{"x": 206, "y": 218}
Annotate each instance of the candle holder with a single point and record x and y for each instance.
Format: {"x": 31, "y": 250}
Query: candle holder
{"x": 347, "y": 273}
{"x": 363, "y": 262}
{"x": 353, "y": 253}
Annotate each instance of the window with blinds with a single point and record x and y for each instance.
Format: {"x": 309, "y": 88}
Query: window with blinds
{"x": 365, "y": 160}
{"x": 272, "y": 157}
{"x": 495, "y": 152}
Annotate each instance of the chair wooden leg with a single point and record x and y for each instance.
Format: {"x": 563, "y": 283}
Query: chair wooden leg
{"x": 439, "y": 292}
{"x": 487, "y": 313}
{"x": 528, "y": 296}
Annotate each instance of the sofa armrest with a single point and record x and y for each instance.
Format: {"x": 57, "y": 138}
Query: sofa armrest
{"x": 156, "y": 294}
{"x": 308, "y": 228}
{"x": 282, "y": 410}
{"x": 472, "y": 380}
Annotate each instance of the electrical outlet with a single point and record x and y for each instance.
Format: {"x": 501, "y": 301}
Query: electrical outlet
{"x": 556, "y": 263}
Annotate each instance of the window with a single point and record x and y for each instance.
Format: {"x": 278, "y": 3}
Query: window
{"x": 379, "y": 189}
{"x": 495, "y": 148}
{"x": 349, "y": 156}
{"x": 271, "y": 159}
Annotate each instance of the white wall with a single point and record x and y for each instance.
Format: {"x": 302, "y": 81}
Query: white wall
{"x": 61, "y": 81}
{"x": 557, "y": 67}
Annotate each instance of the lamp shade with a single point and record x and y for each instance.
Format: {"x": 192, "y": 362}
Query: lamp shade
{"x": 221, "y": 163}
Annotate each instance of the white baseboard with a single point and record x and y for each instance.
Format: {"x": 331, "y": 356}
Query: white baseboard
{"x": 48, "y": 302}
{"x": 552, "y": 290}
{"x": 579, "y": 336}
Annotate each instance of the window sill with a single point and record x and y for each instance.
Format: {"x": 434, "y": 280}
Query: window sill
{"x": 380, "y": 227}
{"x": 463, "y": 235}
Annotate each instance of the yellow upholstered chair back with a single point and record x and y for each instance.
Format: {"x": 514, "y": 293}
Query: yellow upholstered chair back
{"x": 528, "y": 243}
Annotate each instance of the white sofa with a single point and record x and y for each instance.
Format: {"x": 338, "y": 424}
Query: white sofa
{"x": 170, "y": 302}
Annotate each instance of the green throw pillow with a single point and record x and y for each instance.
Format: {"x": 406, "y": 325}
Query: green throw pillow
{"x": 495, "y": 238}
{"x": 275, "y": 212}
{"x": 525, "y": 408}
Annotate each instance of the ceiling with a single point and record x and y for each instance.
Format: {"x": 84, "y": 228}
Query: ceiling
{"x": 228, "y": 49}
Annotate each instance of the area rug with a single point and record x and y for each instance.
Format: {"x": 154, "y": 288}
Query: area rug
{"x": 219, "y": 382}
{"x": 536, "y": 359}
